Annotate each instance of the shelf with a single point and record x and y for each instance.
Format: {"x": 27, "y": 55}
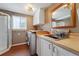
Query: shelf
{"x": 56, "y": 20}
{"x": 62, "y": 27}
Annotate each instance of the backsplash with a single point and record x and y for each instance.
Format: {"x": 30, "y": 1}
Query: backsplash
{"x": 46, "y": 27}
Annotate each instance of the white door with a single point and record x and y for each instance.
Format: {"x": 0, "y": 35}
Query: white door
{"x": 3, "y": 33}
{"x": 46, "y": 48}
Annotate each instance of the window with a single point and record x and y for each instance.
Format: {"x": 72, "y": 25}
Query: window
{"x": 19, "y": 22}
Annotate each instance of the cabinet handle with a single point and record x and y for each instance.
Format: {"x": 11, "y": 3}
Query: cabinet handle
{"x": 53, "y": 49}
{"x": 49, "y": 46}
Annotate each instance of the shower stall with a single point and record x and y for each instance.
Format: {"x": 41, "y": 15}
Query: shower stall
{"x": 5, "y": 32}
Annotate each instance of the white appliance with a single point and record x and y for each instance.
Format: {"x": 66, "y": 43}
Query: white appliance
{"x": 32, "y": 42}
{"x": 5, "y": 32}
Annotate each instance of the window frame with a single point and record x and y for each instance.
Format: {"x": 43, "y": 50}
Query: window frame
{"x": 20, "y": 19}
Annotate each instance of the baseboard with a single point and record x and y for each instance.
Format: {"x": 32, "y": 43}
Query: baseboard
{"x": 20, "y": 43}
{"x": 5, "y": 51}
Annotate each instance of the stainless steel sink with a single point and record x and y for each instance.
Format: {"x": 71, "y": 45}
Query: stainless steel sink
{"x": 58, "y": 36}
{"x": 51, "y": 36}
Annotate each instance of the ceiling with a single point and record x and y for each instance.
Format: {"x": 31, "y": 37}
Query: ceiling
{"x": 20, "y": 7}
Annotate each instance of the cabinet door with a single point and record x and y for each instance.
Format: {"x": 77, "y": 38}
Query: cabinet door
{"x": 63, "y": 52}
{"x": 46, "y": 48}
{"x": 41, "y": 16}
{"x": 55, "y": 51}
{"x": 39, "y": 46}
{"x": 3, "y": 33}
{"x": 38, "y": 17}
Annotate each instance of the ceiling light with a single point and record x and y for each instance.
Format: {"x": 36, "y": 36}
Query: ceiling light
{"x": 29, "y": 7}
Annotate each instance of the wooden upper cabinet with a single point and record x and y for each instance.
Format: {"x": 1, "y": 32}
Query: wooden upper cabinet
{"x": 48, "y": 11}
{"x": 61, "y": 15}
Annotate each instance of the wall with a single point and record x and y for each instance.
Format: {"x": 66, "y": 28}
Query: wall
{"x": 77, "y": 26}
{"x": 21, "y": 37}
{"x": 48, "y": 14}
{"x": 48, "y": 17}
{"x": 29, "y": 18}
{"x": 30, "y": 23}
{"x": 18, "y": 36}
